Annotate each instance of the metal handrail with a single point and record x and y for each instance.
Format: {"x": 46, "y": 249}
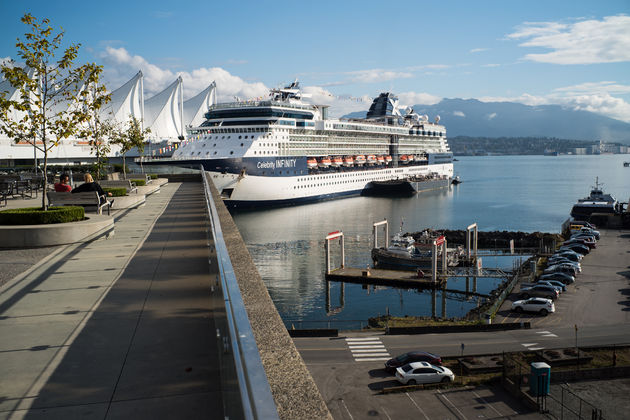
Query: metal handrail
{"x": 257, "y": 400}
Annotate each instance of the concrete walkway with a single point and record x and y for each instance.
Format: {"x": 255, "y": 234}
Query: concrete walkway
{"x": 119, "y": 327}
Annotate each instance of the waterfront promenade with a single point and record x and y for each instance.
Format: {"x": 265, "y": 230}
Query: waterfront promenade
{"x": 119, "y": 327}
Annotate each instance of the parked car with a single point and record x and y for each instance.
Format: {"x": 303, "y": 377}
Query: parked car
{"x": 584, "y": 224}
{"x": 423, "y": 373}
{"x": 580, "y": 240}
{"x": 563, "y": 277}
{"x": 560, "y": 287}
{"x": 560, "y": 261}
{"x": 580, "y": 249}
{"x": 542, "y": 306}
{"x": 590, "y": 232}
{"x": 561, "y": 268}
{"x": 539, "y": 290}
{"x": 572, "y": 255}
{"x": 413, "y": 356}
{"x": 586, "y": 236}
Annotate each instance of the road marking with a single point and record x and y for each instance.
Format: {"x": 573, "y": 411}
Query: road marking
{"x": 530, "y": 346}
{"x": 453, "y": 405}
{"x": 383, "y": 410}
{"x": 417, "y": 406}
{"x": 546, "y": 334}
{"x": 346, "y": 407}
{"x": 369, "y": 349}
{"x": 487, "y": 403}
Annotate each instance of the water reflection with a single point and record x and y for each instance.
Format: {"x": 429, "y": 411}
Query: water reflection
{"x": 528, "y": 193}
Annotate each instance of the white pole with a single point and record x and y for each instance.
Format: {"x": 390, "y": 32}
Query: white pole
{"x": 444, "y": 257}
{"x": 343, "y": 253}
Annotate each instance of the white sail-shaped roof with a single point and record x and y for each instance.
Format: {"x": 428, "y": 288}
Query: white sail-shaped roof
{"x": 127, "y": 101}
{"x": 197, "y": 106}
{"x": 163, "y": 113}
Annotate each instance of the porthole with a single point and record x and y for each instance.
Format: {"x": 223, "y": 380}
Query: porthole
{"x": 231, "y": 152}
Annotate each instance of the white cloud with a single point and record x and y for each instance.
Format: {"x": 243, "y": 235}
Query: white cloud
{"x": 120, "y": 66}
{"x": 477, "y": 50}
{"x": 491, "y": 116}
{"x": 592, "y": 97}
{"x": 377, "y": 75}
{"x": 413, "y": 98}
{"x": 459, "y": 114}
{"x": 491, "y": 65}
{"x": 583, "y": 42}
{"x": 339, "y": 105}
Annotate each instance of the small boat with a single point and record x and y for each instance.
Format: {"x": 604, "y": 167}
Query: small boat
{"x": 388, "y": 159}
{"x": 371, "y": 159}
{"x": 404, "y": 159}
{"x": 337, "y": 161}
{"x": 311, "y": 163}
{"x": 324, "y": 162}
{"x": 359, "y": 160}
{"x": 348, "y": 161}
{"x": 456, "y": 180}
{"x": 404, "y": 253}
{"x": 380, "y": 159}
{"x": 410, "y": 158}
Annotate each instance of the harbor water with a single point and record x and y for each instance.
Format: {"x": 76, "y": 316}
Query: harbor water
{"x": 516, "y": 193}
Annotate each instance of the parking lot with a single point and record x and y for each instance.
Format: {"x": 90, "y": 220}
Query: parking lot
{"x": 600, "y": 294}
{"x": 352, "y": 391}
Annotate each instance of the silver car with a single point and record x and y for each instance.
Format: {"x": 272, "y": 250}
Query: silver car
{"x": 540, "y": 305}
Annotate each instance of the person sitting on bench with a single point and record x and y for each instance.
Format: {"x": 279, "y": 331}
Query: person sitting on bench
{"x": 90, "y": 185}
{"x": 63, "y": 184}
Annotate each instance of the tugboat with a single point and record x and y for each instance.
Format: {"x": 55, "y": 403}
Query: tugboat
{"x": 596, "y": 202}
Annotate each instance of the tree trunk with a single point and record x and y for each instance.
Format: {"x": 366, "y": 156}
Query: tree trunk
{"x": 124, "y": 167}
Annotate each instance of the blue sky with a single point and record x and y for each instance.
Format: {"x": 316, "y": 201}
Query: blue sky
{"x": 573, "y": 53}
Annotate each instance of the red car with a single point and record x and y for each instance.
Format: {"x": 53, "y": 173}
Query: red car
{"x": 411, "y": 357}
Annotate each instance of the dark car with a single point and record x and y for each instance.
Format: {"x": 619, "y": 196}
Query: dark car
{"x": 584, "y": 241}
{"x": 580, "y": 249}
{"x": 569, "y": 255}
{"x": 563, "y": 277}
{"x": 411, "y": 357}
{"x": 539, "y": 290}
{"x": 561, "y": 268}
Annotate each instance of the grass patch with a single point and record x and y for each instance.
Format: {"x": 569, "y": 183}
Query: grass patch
{"x": 116, "y": 192}
{"x": 139, "y": 182}
{"x": 416, "y": 321}
{"x": 37, "y": 216}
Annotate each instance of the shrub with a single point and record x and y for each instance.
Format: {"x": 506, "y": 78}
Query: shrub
{"x": 153, "y": 176}
{"x": 36, "y": 216}
{"x": 119, "y": 168}
{"x": 116, "y": 192}
{"x": 139, "y": 182}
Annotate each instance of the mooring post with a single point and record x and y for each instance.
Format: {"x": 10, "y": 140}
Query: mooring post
{"x": 343, "y": 253}
{"x": 444, "y": 258}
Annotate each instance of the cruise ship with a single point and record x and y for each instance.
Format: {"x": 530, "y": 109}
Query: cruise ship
{"x": 283, "y": 151}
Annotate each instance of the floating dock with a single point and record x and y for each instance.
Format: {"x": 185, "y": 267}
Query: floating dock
{"x": 382, "y": 277}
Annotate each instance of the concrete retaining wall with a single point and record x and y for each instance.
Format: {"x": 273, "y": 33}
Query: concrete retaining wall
{"x": 458, "y": 328}
{"x": 32, "y": 236}
{"x": 294, "y": 390}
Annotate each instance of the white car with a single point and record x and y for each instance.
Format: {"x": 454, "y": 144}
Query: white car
{"x": 540, "y": 305}
{"x": 423, "y": 373}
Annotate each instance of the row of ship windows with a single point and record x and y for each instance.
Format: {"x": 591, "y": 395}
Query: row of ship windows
{"x": 380, "y": 178}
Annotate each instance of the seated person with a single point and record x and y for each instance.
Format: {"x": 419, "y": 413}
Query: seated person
{"x": 64, "y": 184}
{"x": 90, "y": 185}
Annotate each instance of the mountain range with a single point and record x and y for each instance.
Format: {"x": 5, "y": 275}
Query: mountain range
{"x": 473, "y": 118}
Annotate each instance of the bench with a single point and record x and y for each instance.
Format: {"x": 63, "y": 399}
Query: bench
{"x": 83, "y": 199}
{"x": 122, "y": 183}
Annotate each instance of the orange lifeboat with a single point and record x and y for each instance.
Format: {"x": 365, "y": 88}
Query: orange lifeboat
{"x": 410, "y": 158}
{"x": 388, "y": 159}
{"x": 324, "y": 162}
{"x": 348, "y": 161}
{"x": 371, "y": 159}
{"x": 380, "y": 160}
{"x": 359, "y": 160}
{"x": 311, "y": 163}
{"x": 337, "y": 161}
{"x": 404, "y": 159}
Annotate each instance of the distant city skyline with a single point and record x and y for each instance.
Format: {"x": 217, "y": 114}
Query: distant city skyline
{"x": 571, "y": 53}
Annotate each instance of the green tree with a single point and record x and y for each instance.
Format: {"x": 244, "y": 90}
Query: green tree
{"x": 98, "y": 126}
{"x": 129, "y": 136}
{"x": 48, "y": 91}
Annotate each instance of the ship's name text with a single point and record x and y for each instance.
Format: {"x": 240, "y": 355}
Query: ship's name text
{"x": 279, "y": 163}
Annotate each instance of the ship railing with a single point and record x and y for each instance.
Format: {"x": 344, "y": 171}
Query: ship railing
{"x": 255, "y": 103}
{"x": 245, "y": 389}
